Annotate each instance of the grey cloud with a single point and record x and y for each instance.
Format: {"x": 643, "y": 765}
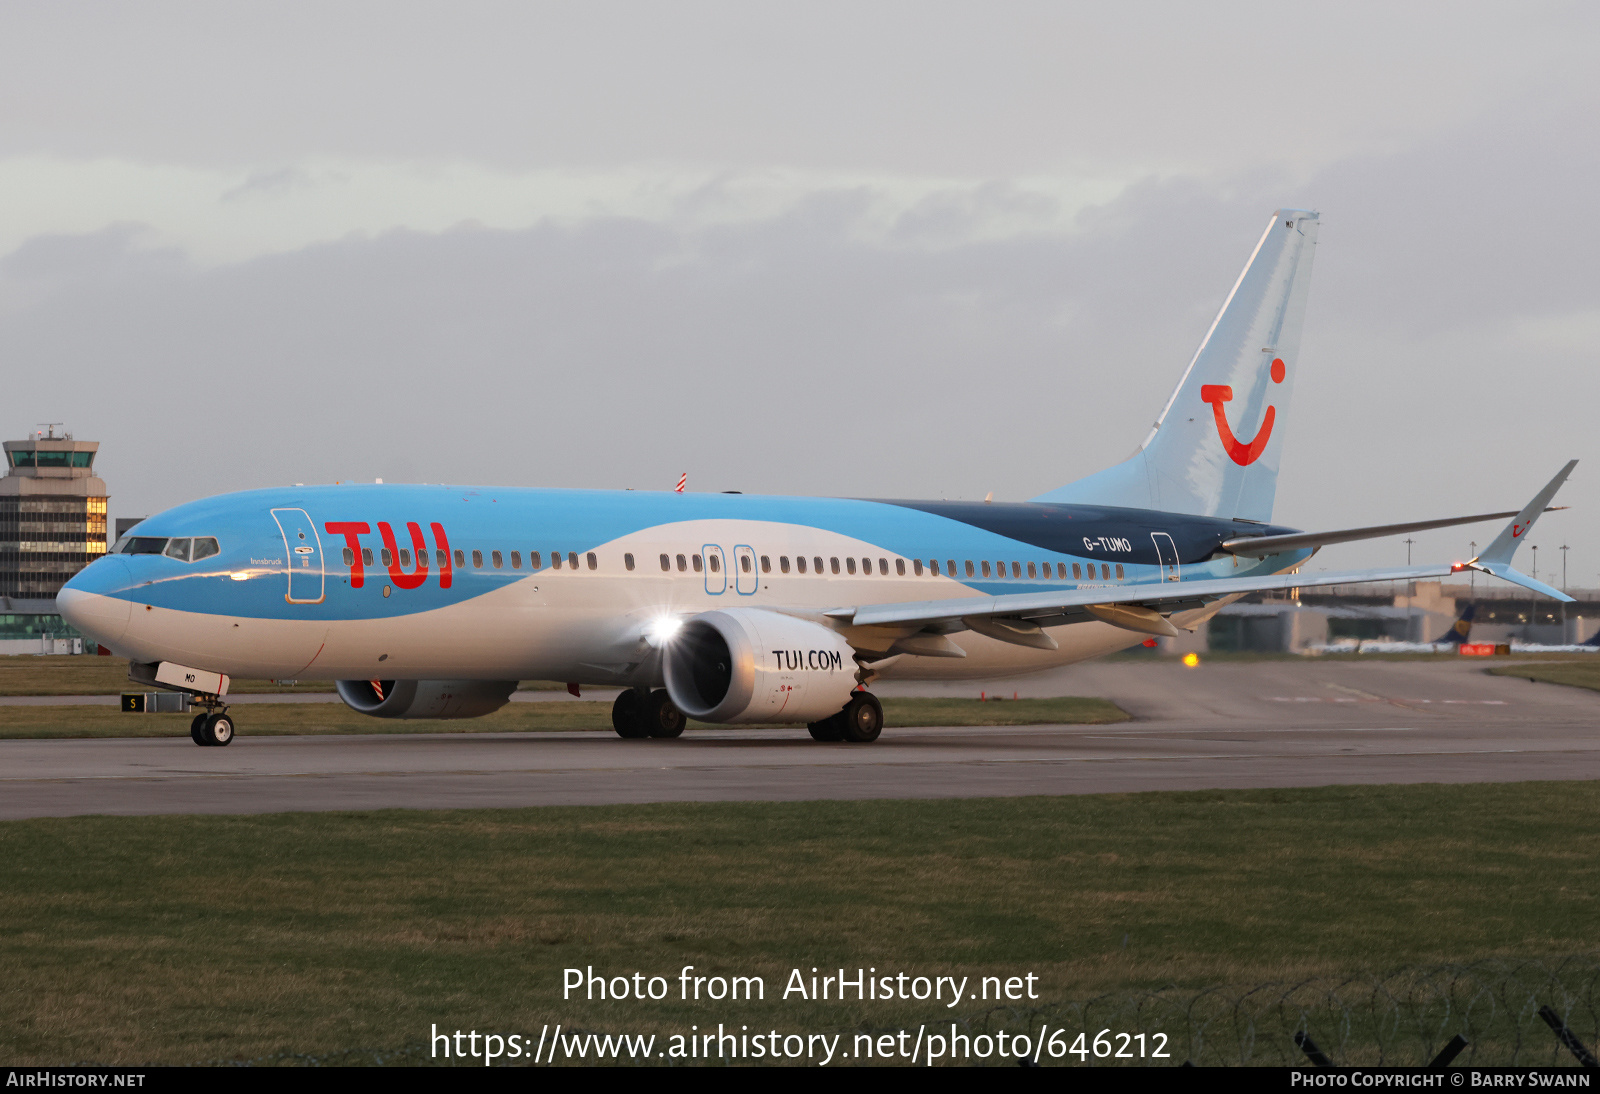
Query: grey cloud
{"x": 804, "y": 354}
{"x": 269, "y": 183}
{"x": 117, "y": 250}
{"x": 932, "y": 87}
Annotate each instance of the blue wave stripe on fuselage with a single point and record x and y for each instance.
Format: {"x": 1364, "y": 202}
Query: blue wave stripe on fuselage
{"x": 526, "y": 520}
{"x": 1068, "y": 529}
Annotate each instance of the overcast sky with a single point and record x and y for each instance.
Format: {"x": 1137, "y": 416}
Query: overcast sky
{"x": 911, "y": 250}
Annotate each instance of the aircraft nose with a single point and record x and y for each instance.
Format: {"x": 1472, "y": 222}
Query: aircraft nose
{"x": 90, "y": 602}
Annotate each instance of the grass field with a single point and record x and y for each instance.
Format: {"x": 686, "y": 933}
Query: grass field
{"x": 278, "y": 719}
{"x": 80, "y": 675}
{"x": 67, "y": 675}
{"x": 1581, "y": 672}
{"x": 185, "y": 939}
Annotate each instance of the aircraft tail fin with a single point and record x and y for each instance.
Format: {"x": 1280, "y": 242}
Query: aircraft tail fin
{"x": 1461, "y": 629}
{"x": 1214, "y": 450}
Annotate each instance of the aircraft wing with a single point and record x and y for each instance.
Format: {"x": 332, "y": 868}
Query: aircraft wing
{"x": 1163, "y": 597}
{"x": 1019, "y": 617}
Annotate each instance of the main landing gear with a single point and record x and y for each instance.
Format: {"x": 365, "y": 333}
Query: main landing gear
{"x": 639, "y": 712}
{"x": 860, "y": 721}
{"x": 212, "y": 726}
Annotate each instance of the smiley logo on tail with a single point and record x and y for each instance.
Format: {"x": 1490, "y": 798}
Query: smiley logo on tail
{"x": 1242, "y": 453}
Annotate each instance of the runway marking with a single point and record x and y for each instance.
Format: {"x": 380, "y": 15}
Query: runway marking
{"x": 1368, "y": 695}
{"x": 1376, "y": 699}
{"x": 1286, "y": 729}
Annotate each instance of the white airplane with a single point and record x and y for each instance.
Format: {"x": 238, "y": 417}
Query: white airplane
{"x": 434, "y": 601}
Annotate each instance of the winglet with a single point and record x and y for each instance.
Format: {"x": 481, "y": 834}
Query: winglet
{"x": 1510, "y": 538}
{"x": 1506, "y": 573}
{"x": 1497, "y": 559}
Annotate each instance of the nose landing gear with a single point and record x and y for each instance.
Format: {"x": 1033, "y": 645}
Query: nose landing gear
{"x": 213, "y": 726}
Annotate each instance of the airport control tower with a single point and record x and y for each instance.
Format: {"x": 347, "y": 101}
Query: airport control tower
{"x": 52, "y": 513}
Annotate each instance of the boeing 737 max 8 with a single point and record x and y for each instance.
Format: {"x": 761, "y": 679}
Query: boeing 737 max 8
{"x": 434, "y": 601}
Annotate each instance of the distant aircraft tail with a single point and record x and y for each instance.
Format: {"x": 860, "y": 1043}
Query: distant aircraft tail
{"x": 1462, "y": 627}
{"x": 1215, "y": 448}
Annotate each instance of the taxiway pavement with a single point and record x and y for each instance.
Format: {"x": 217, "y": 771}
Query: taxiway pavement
{"x": 1251, "y": 724}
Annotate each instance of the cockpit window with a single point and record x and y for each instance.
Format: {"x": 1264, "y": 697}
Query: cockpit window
{"x": 143, "y": 545}
{"x": 183, "y": 548}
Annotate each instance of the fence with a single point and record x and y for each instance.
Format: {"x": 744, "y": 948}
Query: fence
{"x": 1404, "y": 1018}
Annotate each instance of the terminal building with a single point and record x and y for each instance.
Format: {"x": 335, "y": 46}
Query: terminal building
{"x": 1334, "y": 617}
{"x": 52, "y": 524}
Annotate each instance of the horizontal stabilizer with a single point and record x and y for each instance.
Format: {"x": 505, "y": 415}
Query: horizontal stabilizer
{"x": 1262, "y": 546}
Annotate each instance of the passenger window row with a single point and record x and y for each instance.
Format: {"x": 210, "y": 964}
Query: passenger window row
{"x": 694, "y": 562}
{"x": 497, "y": 559}
{"x": 685, "y": 562}
{"x": 815, "y": 564}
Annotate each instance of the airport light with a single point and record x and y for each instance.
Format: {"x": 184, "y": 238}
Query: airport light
{"x": 1563, "y": 548}
{"x": 1191, "y": 660}
{"x": 1533, "y": 601}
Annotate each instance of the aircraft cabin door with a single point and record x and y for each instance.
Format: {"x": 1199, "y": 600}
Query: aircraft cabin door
{"x": 716, "y": 572}
{"x": 747, "y": 578}
{"x": 303, "y": 556}
{"x": 1167, "y": 552}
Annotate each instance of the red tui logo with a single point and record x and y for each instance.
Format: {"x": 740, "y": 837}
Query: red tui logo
{"x": 352, "y": 531}
{"x": 1248, "y": 452}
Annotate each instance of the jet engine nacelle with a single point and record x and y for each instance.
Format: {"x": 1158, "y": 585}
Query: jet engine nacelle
{"x": 425, "y": 698}
{"x": 748, "y": 665}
